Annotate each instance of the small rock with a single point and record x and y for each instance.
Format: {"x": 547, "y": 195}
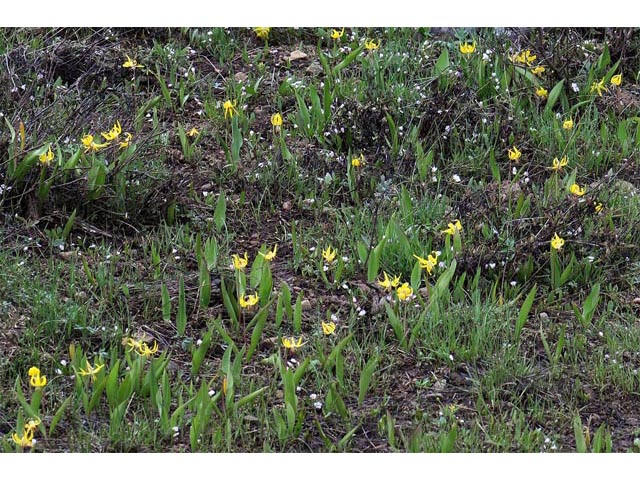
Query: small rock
{"x": 240, "y": 76}
{"x": 636, "y": 301}
{"x": 305, "y": 304}
{"x": 286, "y": 206}
{"x": 544, "y": 316}
{"x": 315, "y": 68}
{"x": 297, "y": 55}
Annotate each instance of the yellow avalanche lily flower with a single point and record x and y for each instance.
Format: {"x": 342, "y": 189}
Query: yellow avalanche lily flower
{"x": 558, "y": 164}
{"x": 598, "y": 87}
{"x": 387, "y": 283}
{"x": 290, "y": 343}
{"x": 404, "y": 292}
{"x": 262, "y": 32}
{"x": 336, "y": 35}
{"x": 514, "y": 153}
{"x": 45, "y": 158}
{"x": 616, "y": 80}
{"x": 140, "y": 347}
{"x": 328, "y": 328}
{"x": 371, "y": 45}
{"x": 144, "y": 350}
{"x": 91, "y": 371}
{"x": 357, "y": 161}
{"x": 193, "y": 132}
{"x": 276, "y": 120}
{"x": 239, "y": 263}
{"x": 557, "y": 242}
{"x": 90, "y": 145}
{"x": 32, "y": 424}
{"x": 127, "y": 139}
{"x": 467, "y": 48}
{"x": 567, "y": 124}
{"x": 131, "y": 63}
{"x": 35, "y": 379}
{"x": 453, "y": 228}
{"x": 329, "y": 254}
{"x": 248, "y": 301}
{"x": 538, "y": 70}
{"x": 428, "y": 263}
{"x": 26, "y": 440}
{"x": 229, "y": 108}
{"x": 577, "y": 190}
{"x": 542, "y": 92}
{"x": 113, "y": 133}
{"x": 271, "y": 254}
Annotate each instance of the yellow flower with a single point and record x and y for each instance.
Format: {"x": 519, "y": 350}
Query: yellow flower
{"x": 140, "y": 347}
{"x": 467, "y": 48}
{"x": 538, "y": 70}
{"x": 276, "y": 120}
{"x": 371, "y": 45}
{"x": 328, "y": 328}
{"x": 32, "y": 424}
{"x": 90, "y": 145}
{"x": 35, "y": 379}
{"x": 518, "y": 57}
{"x": 329, "y": 254}
{"x": 576, "y": 190}
{"x": 616, "y": 80}
{"x": 558, "y": 164}
{"x": 524, "y": 58}
{"x": 229, "y": 108}
{"x": 598, "y": 87}
{"x": 557, "y": 242}
{"x": 239, "y": 263}
{"x": 529, "y": 58}
{"x": 404, "y": 291}
{"x": 270, "y": 255}
{"x": 290, "y": 343}
{"x": 224, "y": 386}
{"x": 598, "y": 207}
{"x": 193, "y": 132}
{"x": 132, "y": 343}
{"x": 113, "y": 133}
{"x": 127, "y": 139}
{"x": 567, "y": 124}
{"x": 514, "y": 153}
{"x": 387, "y": 283}
{"x": 46, "y": 158}
{"x": 131, "y": 63}
{"x": 262, "y": 32}
{"x": 248, "y": 301}
{"x": 453, "y": 228}
{"x": 336, "y": 35}
{"x": 357, "y": 161}
{"x": 144, "y": 350}
{"x": 26, "y": 441}
{"x": 428, "y": 263}
{"x": 91, "y": 371}
{"x": 542, "y": 92}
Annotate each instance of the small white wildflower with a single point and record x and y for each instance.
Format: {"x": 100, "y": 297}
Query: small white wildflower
{"x": 456, "y": 178}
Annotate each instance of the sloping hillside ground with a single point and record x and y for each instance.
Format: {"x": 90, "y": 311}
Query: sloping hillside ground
{"x": 441, "y": 235}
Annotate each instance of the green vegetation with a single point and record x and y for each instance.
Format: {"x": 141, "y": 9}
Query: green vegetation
{"x": 325, "y": 240}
